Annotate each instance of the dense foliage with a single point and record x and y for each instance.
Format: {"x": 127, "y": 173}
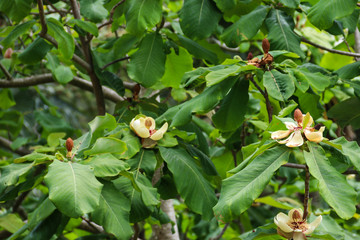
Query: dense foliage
{"x": 170, "y": 119}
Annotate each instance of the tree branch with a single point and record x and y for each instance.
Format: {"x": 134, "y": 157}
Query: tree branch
{"x": 266, "y": 96}
{"x": 99, "y": 95}
{"x": 7, "y": 144}
{"x": 48, "y": 78}
{"x": 115, "y": 61}
{"x": 303, "y": 39}
{"x": 221, "y": 233}
{"x": 5, "y": 71}
{"x": 294, "y": 165}
{"x": 306, "y": 196}
{"x": 111, "y": 14}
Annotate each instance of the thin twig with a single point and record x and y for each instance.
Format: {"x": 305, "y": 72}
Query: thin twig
{"x": 233, "y": 152}
{"x": 92, "y": 227}
{"x": 42, "y": 18}
{"x": 222, "y": 232}
{"x": 7, "y": 144}
{"x": 99, "y": 95}
{"x": 266, "y": 96}
{"x": 303, "y": 39}
{"x": 6, "y": 72}
{"x": 115, "y": 61}
{"x": 48, "y": 78}
{"x": 112, "y": 11}
{"x": 294, "y": 165}
{"x": 307, "y": 187}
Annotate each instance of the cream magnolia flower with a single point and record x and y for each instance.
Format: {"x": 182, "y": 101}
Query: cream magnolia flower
{"x": 144, "y": 127}
{"x": 296, "y": 139}
{"x": 293, "y": 226}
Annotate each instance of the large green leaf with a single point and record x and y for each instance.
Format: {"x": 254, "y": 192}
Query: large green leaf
{"x": 147, "y": 65}
{"x": 113, "y": 212}
{"x": 11, "y": 222}
{"x": 176, "y": 66}
{"x": 242, "y": 29}
{"x": 45, "y": 209}
{"x": 349, "y": 71}
{"x": 335, "y": 9}
{"x": 142, "y": 14}
{"x": 231, "y": 114}
{"x": 240, "y": 190}
{"x": 144, "y": 160}
{"x": 16, "y": 32}
{"x": 106, "y": 165}
{"x": 93, "y": 10}
{"x": 199, "y": 18}
{"x": 349, "y": 149}
{"x": 203, "y": 103}
{"x": 132, "y": 142}
{"x": 35, "y": 52}
{"x": 279, "y": 85}
{"x": 346, "y": 112}
{"x": 290, "y": 3}
{"x": 107, "y": 145}
{"x": 333, "y": 186}
{"x": 87, "y": 26}
{"x": 17, "y": 10}
{"x": 63, "y": 74}
{"x": 197, "y": 193}
{"x": 65, "y": 41}
{"x": 73, "y": 188}
{"x": 281, "y": 34}
{"x": 10, "y": 174}
{"x": 317, "y": 80}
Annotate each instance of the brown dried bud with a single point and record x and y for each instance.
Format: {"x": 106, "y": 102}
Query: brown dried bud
{"x": 8, "y": 53}
{"x": 69, "y": 144}
{"x": 250, "y": 56}
{"x": 265, "y": 45}
{"x": 298, "y": 116}
{"x": 268, "y": 58}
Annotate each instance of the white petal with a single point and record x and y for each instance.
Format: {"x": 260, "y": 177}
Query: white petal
{"x": 281, "y": 221}
{"x": 313, "y": 225}
{"x": 280, "y": 134}
{"x": 159, "y": 133}
{"x": 296, "y": 141}
{"x": 290, "y": 125}
{"x": 152, "y": 123}
{"x": 288, "y": 139}
{"x": 139, "y": 128}
{"x": 299, "y": 236}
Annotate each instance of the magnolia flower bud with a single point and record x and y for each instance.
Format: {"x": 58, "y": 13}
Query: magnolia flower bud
{"x": 298, "y": 116}
{"x": 265, "y": 45}
{"x": 250, "y": 56}
{"x": 69, "y": 144}
{"x": 8, "y": 53}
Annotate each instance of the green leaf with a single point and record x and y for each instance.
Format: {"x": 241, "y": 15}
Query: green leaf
{"x": 206, "y": 163}
{"x": 273, "y": 202}
{"x": 11, "y": 222}
{"x": 111, "y": 80}
{"x": 73, "y": 188}
{"x": 6, "y": 98}
{"x": 333, "y": 186}
{"x": 107, "y": 145}
{"x": 288, "y": 109}
{"x": 203, "y": 103}
{"x": 35, "y": 52}
{"x": 240, "y": 190}
{"x": 106, "y": 165}
{"x": 197, "y": 50}
{"x": 101, "y": 124}
{"x": 142, "y": 14}
{"x": 290, "y": 3}
{"x": 199, "y": 18}
{"x": 132, "y": 142}
{"x": 89, "y": 27}
{"x": 216, "y": 76}
{"x": 113, "y": 212}
{"x": 242, "y": 29}
{"x": 279, "y": 85}
{"x": 17, "y": 10}
{"x": 63, "y": 74}
{"x": 144, "y": 160}
{"x": 300, "y": 79}
{"x": 349, "y": 71}
{"x": 16, "y": 32}
{"x": 65, "y": 41}
{"x": 281, "y": 34}
{"x": 176, "y": 66}
{"x": 231, "y": 114}
{"x": 53, "y": 138}
{"x": 335, "y": 9}
{"x": 11, "y": 173}
{"x": 197, "y": 193}
{"x": 147, "y": 65}
{"x": 316, "y": 79}
{"x": 45, "y": 209}
{"x": 93, "y": 10}
{"x": 350, "y": 150}
{"x": 346, "y": 113}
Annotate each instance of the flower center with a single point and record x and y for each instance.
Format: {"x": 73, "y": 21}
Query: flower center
{"x": 148, "y": 123}
{"x": 152, "y": 132}
{"x": 301, "y": 225}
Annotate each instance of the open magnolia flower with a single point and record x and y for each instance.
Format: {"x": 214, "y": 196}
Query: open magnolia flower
{"x": 293, "y": 226}
{"x": 296, "y": 139}
{"x": 144, "y": 127}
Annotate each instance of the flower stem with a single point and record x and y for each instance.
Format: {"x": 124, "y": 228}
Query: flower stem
{"x": 306, "y": 197}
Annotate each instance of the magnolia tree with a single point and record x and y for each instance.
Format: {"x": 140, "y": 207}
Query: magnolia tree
{"x": 170, "y": 119}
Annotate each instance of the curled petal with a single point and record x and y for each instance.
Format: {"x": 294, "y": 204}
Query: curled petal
{"x": 314, "y": 136}
{"x": 296, "y": 141}
{"x": 290, "y": 125}
{"x": 281, "y": 221}
{"x": 160, "y": 133}
{"x": 284, "y": 234}
{"x": 138, "y": 126}
{"x": 299, "y": 236}
{"x": 280, "y": 134}
{"x": 150, "y": 123}
{"x": 313, "y": 225}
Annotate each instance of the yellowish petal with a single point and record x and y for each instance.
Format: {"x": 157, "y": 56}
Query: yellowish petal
{"x": 296, "y": 141}
{"x": 139, "y": 128}
{"x": 290, "y": 125}
{"x": 160, "y": 133}
{"x": 288, "y": 139}
{"x": 281, "y": 221}
{"x": 313, "y": 225}
{"x": 150, "y": 123}
{"x": 280, "y": 134}
{"x": 314, "y": 136}
{"x": 299, "y": 236}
